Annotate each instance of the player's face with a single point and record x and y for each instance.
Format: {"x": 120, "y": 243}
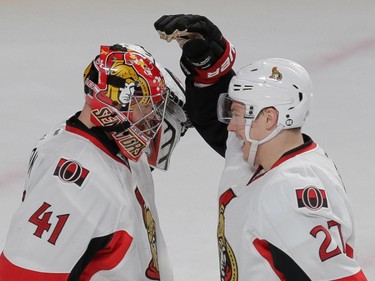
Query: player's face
{"x": 145, "y": 117}
{"x": 237, "y": 125}
{"x": 142, "y": 110}
{"x": 264, "y": 124}
{"x": 257, "y": 127}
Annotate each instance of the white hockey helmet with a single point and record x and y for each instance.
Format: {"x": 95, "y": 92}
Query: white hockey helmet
{"x": 273, "y": 82}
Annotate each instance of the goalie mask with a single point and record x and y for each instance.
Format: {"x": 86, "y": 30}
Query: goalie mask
{"x": 127, "y": 94}
{"x": 173, "y": 126}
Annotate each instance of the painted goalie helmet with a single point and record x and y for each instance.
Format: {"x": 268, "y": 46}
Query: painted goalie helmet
{"x": 127, "y": 94}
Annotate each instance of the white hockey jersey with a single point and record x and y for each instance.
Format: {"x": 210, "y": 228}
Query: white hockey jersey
{"x": 293, "y": 222}
{"x": 86, "y": 215}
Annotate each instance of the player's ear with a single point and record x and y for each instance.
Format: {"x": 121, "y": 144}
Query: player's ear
{"x": 271, "y": 115}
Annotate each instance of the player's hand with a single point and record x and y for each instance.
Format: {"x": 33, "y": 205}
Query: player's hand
{"x": 206, "y": 54}
{"x": 174, "y": 27}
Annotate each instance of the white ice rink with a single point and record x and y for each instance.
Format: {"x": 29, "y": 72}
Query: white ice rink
{"x": 45, "y": 46}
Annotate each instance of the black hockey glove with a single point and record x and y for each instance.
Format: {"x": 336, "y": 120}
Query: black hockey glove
{"x": 206, "y": 54}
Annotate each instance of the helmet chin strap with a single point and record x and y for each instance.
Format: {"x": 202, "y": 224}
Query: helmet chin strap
{"x": 256, "y": 143}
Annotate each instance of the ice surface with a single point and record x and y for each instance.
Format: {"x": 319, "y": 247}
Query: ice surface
{"x": 45, "y": 45}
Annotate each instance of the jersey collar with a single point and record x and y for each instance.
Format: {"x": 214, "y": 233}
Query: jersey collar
{"x": 308, "y": 144}
{"x": 96, "y": 136}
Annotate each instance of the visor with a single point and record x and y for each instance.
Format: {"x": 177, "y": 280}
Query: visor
{"x": 224, "y": 112}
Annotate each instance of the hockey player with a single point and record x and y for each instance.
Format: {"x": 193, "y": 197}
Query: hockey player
{"x": 88, "y": 210}
{"x": 283, "y": 210}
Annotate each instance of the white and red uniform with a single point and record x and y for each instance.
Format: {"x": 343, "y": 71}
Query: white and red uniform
{"x": 293, "y": 222}
{"x": 87, "y": 214}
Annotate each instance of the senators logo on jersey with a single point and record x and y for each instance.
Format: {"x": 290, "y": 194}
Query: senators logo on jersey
{"x": 71, "y": 171}
{"x": 312, "y": 198}
{"x": 228, "y": 263}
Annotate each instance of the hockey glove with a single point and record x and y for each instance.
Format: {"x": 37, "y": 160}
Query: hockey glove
{"x": 206, "y": 54}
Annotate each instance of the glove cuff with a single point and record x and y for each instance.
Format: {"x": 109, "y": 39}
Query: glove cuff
{"x": 209, "y": 76}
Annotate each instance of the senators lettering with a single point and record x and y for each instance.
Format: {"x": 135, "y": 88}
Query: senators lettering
{"x": 105, "y": 117}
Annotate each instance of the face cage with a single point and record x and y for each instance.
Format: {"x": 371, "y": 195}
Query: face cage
{"x": 149, "y": 115}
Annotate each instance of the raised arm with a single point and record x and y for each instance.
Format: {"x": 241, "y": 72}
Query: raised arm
{"x": 207, "y": 60}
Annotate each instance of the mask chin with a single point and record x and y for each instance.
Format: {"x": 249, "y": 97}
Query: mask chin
{"x": 141, "y": 134}
{"x": 132, "y": 143}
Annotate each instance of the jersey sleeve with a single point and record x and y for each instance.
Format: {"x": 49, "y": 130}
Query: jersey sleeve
{"x": 309, "y": 230}
{"x": 201, "y": 108}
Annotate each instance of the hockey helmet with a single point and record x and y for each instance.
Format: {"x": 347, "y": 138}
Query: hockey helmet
{"x": 274, "y": 82}
{"x": 127, "y": 94}
{"x": 279, "y": 83}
